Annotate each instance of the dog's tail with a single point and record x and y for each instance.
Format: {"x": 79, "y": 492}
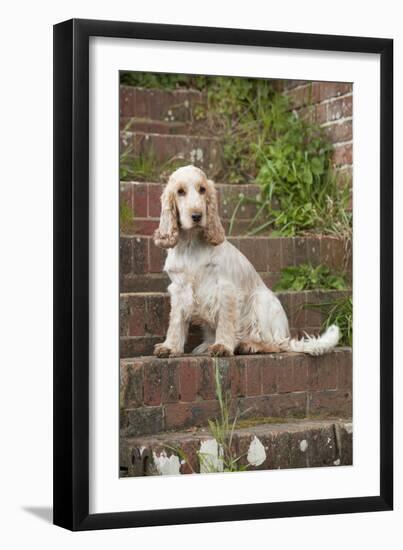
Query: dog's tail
{"x": 315, "y": 345}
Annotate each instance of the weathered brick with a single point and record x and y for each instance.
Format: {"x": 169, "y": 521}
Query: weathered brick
{"x": 287, "y": 252}
{"x": 170, "y": 382}
{"x": 321, "y": 113}
{"x": 330, "y": 403}
{"x": 344, "y": 371}
{"x": 185, "y": 415}
{"x": 136, "y": 306}
{"x": 157, "y": 258}
{"x": 176, "y": 105}
{"x": 274, "y": 255}
{"x": 326, "y": 90}
{"x": 140, "y": 256}
{"x": 339, "y": 131}
{"x": 313, "y": 251}
{"x": 124, "y": 316}
{"x": 322, "y": 373}
{"x": 270, "y": 378}
{"x": 285, "y": 375}
{"x": 343, "y": 154}
{"x": 300, "y": 250}
{"x": 344, "y": 434}
{"x": 154, "y": 200}
{"x": 131, "y": 384}
{"x": 289, "y": 405}
{"x": 206, "y": 379}
{"x": 253, "y": 376}
{"x": 188, "y": 377}
{"x": 332, "y": 252}
{"x": 142, "y": 226}
{"x": 300, "y": 372}
{"x": 140, "y": 200}
{"x": 157, "y": 314}
{"x": 340, "y": 108}
{"x": 238, "y": 379}
{"x": 256, "y": 250}
{"x": 126, "y": 255}
{"x": 140, "y": 421}
{"x": 126, "y": 103}
{"x": 152, "y": 382}
{"x": 321, "y": 447}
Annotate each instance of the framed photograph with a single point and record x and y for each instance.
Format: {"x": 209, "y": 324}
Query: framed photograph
{"x": 223, "y": 274}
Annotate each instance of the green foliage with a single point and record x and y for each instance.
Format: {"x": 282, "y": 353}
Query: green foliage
{"x": 138, "y": 168}
{"x": 265, "y": 141}
{"x": 340, "y": 313}
{"x": 165, "y": 81}
{"x": 287, "y": 156}
{"x": 307, "y": 277}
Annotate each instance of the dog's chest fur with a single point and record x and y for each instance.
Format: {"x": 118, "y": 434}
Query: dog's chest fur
{"x": 193, "y": 266}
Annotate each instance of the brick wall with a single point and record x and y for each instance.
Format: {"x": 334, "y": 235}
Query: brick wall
{"x": 159, "y": 395}
{"x": 330, "y": 104}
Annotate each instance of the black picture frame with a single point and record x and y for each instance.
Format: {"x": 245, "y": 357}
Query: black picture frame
{"x": 71, "y": 274}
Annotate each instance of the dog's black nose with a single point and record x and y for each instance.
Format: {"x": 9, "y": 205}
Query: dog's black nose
{"x": 196, "y": 217}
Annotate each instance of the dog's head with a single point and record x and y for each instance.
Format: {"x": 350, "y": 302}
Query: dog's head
{"x": 189, "y": 201}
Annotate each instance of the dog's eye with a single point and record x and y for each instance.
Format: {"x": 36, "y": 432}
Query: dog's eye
{"x": 181, "y": 192}
{"x": 202, "y": 190}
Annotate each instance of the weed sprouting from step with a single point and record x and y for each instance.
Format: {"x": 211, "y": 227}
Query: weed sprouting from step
{"x": 145, "y": 166}
{"x": 222, "y": 430}
{"x": 307, "y": 277}
{"x": 217, "y": 454}
{"x": 338, "y": 312}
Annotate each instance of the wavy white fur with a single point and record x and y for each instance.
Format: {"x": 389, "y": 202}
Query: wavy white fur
{"x": 213, "y": 284}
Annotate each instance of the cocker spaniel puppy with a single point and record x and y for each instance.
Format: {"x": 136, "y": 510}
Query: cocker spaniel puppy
{"x": 214, "y": 285}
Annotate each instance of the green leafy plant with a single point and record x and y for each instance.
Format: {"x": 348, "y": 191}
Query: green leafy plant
{"x": 288, "y": 156}
{"x": 338, "y": 312}
{"x": 307, "y": 277}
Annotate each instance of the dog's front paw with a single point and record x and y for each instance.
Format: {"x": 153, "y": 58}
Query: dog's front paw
{"x": 162, "y": 350}
{"x": 220, "y": 350}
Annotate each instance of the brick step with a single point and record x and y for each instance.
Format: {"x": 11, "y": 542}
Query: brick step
{"x": 270, "y": 446}
{"x": 144, "y": 318}
{"x": 158, "y": 395}
{"x": 149, "y": 126}
{"x": 141, "y": 262}
{"x": 143, "y": 202}
{"x": 165, "y": 105}
{"x": 202, "y": 151}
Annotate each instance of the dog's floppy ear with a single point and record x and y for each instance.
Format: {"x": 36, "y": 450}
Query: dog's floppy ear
{"x": 214, "y": 232}
{"x": 166, "y": 236}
